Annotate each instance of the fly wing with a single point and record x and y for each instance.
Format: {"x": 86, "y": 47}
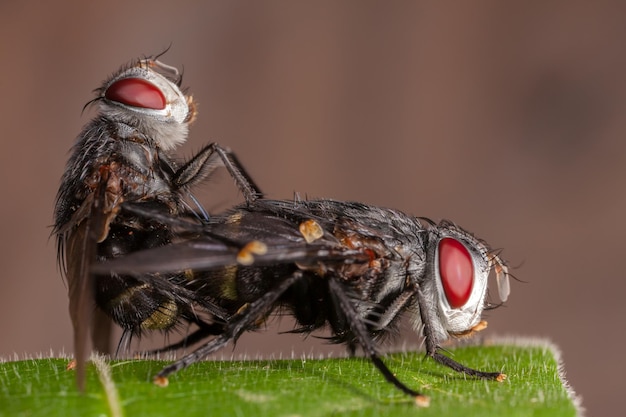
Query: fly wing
{"x": 244, "y": 237}
{"x": 207, "y": 254}
{"x": 80, "y": 254}
{"x": 77, "y": 242}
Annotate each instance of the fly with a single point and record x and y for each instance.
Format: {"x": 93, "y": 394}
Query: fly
{"x": 352, "y": 267}
{"x": 123, "y": 157}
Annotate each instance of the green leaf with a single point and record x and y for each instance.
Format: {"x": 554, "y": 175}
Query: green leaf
{"x": 329, "y": 387}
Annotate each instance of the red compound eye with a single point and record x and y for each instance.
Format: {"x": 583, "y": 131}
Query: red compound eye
{"x": 136, "y": 92}
{"x": 456, "y": 270}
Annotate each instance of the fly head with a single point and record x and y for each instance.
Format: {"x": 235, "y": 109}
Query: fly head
{"x": 457, "y": 275}
{"x": 147, "y": 95}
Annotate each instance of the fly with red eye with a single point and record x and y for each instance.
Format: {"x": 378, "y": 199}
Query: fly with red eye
{"x": 353, "y": 268}
{"x": 120, "y": 159}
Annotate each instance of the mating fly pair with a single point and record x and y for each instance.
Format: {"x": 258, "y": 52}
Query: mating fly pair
{"x": 150, "y": 261}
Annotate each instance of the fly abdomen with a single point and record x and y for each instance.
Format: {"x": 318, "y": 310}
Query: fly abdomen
{"x": 135, "y": 305}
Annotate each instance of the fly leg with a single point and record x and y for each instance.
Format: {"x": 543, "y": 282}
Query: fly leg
{"x": 239, "y": 323}
{"x": 432, "y": 348}
{"x": 361, "y": 333}
{"x": 206, "y": 161}
{"x": 203, "y": 332}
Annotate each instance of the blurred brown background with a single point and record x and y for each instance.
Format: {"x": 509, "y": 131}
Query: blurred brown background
{"x": 507, "y": 118}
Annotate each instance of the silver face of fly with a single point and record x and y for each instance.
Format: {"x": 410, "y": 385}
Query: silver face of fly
{"x": 459, "y": 269}
{"x": 122, "y": 159}
{"x": 148, "y": 95}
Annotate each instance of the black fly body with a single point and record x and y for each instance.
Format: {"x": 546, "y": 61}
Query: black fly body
{"x": 123, "y": 158}
{"x": 351, "y": 267}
